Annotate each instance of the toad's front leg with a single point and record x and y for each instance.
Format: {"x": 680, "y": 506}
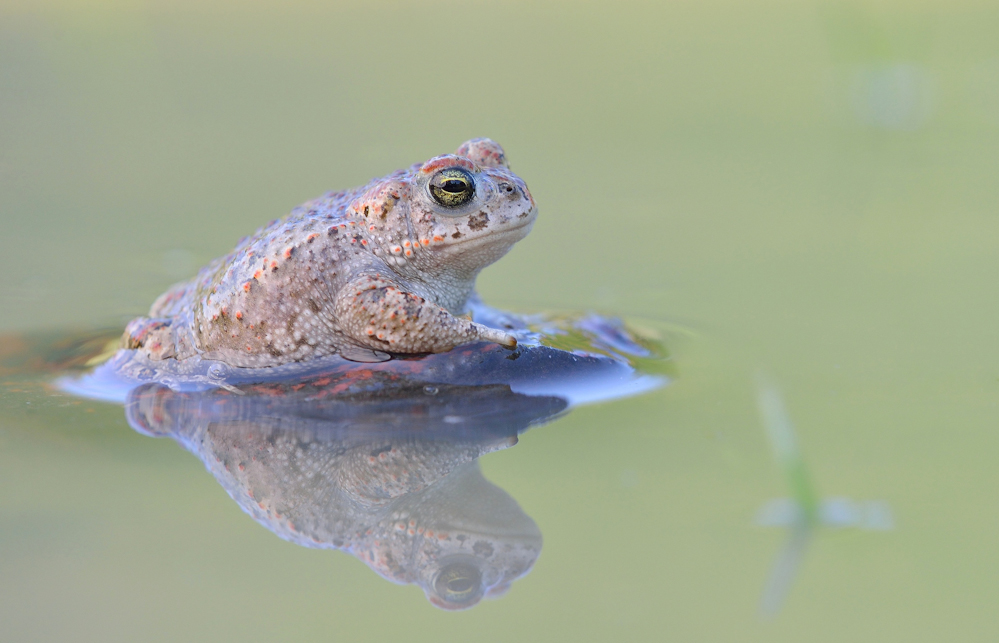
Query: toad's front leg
{"x": 377, "y": 314}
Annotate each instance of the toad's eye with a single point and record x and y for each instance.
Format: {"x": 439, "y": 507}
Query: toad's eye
{"x": 452, "y": 187}
{"x": 459, "y": 583}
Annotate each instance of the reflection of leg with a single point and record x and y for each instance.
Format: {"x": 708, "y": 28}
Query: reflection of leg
{"x": 785, "y": 568}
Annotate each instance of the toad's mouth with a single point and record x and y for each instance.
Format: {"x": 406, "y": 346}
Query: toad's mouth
{"x": 502, "y": 230}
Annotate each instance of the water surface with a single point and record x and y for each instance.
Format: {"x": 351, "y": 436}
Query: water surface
{"x": 806, "y": 188}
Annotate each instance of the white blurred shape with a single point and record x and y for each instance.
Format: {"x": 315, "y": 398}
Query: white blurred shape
{"x": 892, "y": 96}
{"x": 839, "y": 513}
{"x": 834, "y": 513}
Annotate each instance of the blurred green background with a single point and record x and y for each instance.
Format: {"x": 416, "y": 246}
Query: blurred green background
{"x": 808, "y": 187}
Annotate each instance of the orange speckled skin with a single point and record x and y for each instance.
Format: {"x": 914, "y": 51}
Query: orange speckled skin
{"x": 367, "y": 272}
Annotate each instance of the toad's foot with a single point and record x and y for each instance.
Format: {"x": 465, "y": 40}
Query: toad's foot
{"x": 381, "y": 316}
{"x": 157, "y": 338}
{"x": 153, "y": 337}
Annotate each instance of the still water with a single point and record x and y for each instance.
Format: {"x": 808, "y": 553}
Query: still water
{"x": 798, "y": 198}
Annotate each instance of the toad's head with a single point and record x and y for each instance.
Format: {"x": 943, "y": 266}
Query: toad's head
{"x": 455, "y": 213}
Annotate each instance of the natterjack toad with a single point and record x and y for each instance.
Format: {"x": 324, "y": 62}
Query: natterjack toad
{"x": 363, "y": 273}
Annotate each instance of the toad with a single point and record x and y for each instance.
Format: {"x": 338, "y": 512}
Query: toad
{"x": 387, "y": 268}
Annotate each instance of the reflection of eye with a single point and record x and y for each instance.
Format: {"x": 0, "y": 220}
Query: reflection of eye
{"x": 459, "y": 583}
{"x": 452, "y": 187}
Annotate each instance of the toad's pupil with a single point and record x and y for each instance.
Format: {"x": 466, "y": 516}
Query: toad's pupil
{"x": 454, "y": 186}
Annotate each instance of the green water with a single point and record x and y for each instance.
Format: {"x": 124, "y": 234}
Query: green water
{"x": 806, "y": 188}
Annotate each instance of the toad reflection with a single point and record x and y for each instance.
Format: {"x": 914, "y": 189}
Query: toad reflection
{"x": 391, "y": 479}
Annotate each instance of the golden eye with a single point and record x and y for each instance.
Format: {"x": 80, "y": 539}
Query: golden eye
{"x": 452, "y": 187}
{"x": 459, "y": 583}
